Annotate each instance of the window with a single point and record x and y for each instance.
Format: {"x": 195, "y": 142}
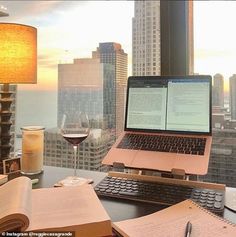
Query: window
{"x": 215, "y": 54}
{"x": 53, "y": 49}
{"x": 37, "y": 104}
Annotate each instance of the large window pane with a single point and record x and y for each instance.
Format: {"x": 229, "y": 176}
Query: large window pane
{"x": 84, "y": 59}
{"x": 215, "y": 52}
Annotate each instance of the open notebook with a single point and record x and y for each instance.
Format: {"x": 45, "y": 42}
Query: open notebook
{"x": 172, "y": 222}
{"x": 167, "y": 124}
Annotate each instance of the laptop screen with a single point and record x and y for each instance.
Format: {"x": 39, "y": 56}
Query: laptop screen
{"x": 172, "y": 104}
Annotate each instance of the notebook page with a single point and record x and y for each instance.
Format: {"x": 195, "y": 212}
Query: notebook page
{"x": 171, "y": 222}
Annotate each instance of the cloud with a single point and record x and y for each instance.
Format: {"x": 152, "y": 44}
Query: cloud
{"x": 36, "y": 11}
{"x": 25, "y": 9}
{"x": 71, "y": 29}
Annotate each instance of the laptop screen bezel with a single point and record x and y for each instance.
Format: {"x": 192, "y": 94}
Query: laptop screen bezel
{"x": 205, "y": 77}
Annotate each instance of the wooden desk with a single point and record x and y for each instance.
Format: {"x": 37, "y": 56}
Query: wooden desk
{"x": 117, "y": 209}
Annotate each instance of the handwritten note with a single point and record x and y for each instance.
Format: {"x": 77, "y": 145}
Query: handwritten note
{"x": 171, "y": 222}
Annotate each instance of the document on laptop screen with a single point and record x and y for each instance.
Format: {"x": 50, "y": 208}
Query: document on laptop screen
{"x": 147, "y": 108}
{"x": 188, "y": 106}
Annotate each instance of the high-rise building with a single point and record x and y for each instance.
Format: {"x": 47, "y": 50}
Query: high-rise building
{"x": 146, "y": 38}
{"x": 84, "y": 85}
{"x": 112, "y": 53}
{"x": 96, "y": 86}
{"x": 218, "y": 91}
{"x": 232, "y": 94}
{"x": 222, "y": 164}
{"x": 58, "y": 152}
{"x": 87, "y": 85}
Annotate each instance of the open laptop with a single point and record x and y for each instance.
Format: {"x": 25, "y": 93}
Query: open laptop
{"x": 167, "y": 125}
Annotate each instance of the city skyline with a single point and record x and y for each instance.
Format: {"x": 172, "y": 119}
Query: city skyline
{"x": 71, "y": 29}
{"x": 67, "y": 30}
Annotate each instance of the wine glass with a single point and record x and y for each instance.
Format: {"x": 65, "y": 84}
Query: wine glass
{"x": 75, "y": 129}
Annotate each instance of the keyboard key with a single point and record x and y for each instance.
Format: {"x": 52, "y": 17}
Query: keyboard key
{"x": 218, "y": 198}
{"x": 129, "y": 193}
{"x": 217, "y": 205}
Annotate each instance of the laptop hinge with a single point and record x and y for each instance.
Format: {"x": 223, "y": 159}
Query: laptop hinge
{"x": 175, "y": 173}
{"x": 118, "y": 166}
{"x": 178, "y": 173}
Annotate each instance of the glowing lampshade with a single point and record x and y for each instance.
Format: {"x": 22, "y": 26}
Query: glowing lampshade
{"x": 18, "y": 64}
{"x": 18, "y": 53}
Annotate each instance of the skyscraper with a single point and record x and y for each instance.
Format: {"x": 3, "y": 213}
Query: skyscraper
{"x": 112, "y": 53}
{"x": 86, "y": 85}
{"x": 146, "y": 38}
{"x": 222, "y": 163}
{"x": 218, "y": 90}
{"x": 232, "y": 94}
{"x": 58, "y": 152}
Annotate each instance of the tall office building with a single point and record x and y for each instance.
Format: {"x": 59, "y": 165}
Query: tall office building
{"x": 87, "y": 85}
{"x": 232, "y": 94}
{"x": 222, "y": 164}
{"x": 84, "y": 85}
{"x": 112, "y": 53}
{"x": 218, "y": 91}
{"x": 146, "y": 38}
{"x": 58, "y": 152}
{"x": 96, "y": 86}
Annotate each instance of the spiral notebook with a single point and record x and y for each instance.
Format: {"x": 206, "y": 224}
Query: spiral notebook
{"x": 171, "y": 222}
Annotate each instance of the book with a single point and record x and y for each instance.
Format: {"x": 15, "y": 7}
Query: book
{"x": 172, "y": 221}
{"x": 75, "y": 209}
{"x": 3, "y": 178}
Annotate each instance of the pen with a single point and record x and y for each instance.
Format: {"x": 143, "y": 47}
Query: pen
{"x": 188, "y": 229}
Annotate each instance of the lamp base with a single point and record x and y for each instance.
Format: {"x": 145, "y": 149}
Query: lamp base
{"x": 5, "y": 124}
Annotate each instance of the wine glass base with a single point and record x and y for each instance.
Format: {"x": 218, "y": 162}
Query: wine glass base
{"x": 73, "y": 181}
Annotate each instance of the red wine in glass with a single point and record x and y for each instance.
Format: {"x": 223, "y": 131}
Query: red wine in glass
{"x": 75, "y": 139}
{"x": 75, "y": 129}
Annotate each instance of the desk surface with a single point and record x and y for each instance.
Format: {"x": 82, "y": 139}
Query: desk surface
{"x": 116, "y": 209}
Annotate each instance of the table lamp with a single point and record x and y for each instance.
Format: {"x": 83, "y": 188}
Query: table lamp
{"x": 18, "y": 64}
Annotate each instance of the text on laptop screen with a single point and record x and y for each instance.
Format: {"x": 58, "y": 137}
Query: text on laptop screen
{"x": 171, "y": 104}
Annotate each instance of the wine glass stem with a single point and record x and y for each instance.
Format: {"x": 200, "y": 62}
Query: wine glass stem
{"x": 75, "y": 156}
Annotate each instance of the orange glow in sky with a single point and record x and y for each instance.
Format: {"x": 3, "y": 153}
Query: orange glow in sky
{"x": 71, "y": 29}
{"x": 215, "y": 37}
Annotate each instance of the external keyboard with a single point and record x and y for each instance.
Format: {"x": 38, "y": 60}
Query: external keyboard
{"x": 174, "y": 144}
{"x": 126, "y": 186}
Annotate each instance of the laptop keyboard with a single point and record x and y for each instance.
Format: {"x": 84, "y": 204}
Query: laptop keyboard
{"x": 160, "y": 193}
{"x": 184, "y": 145}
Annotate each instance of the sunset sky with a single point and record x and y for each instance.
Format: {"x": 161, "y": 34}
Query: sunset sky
{"x": 73, "y": 29}
{"x": 215, "y": 37}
